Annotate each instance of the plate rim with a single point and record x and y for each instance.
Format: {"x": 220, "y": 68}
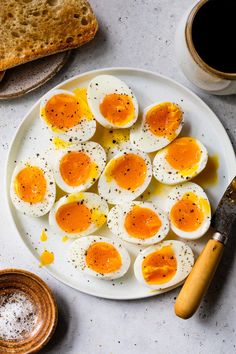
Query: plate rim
{"x": 77, "y": 77}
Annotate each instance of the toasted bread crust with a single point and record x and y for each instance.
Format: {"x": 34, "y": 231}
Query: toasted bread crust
{"x": 74, "y": 25}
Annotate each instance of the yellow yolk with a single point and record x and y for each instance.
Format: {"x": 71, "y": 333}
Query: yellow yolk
{"x": 46, "y": 258}
{"x": 62, "y": 112}
{"x": 155, "y": 188}
{"x": 65, "y": 239}
{"x": 183, "y": 154}
{"x": 164, "y": 119}
{"x": 81, "y": 92}
{"x": 81, "y": 95}
{"x": 98, "y": 218}
{"x": 76, "y": 197}
{"x": 209, "y": 176}
{"x": 43, "y": 236}
{"x": 73, "y": 217}
{"x": 117, "y": 108}
{"x": 160, "y": 266}
{"x": 129, "y": 171}
{"x": 188, "y": 213}
{"x": 111, "y": 138}
{"x": 103, "y": 258}
{"x": 60, "y": 144}
{"x": 30, "y": 185}
{"x": 75, "y": 168}
{"x": 142, "y": 222}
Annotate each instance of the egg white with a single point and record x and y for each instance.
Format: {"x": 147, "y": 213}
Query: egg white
{"x": 98, "y": 88}
{"x": 78, "y": 259}
{"x": 81, "y": 132}
{"x": 175, "y": 195}
{"x": 112, "y": 192}
{"x": 166, "y": 174}
{"x": 34, "y": 209}
{"x": 116, "y": 221}
{"x": 143, "y": 139}
{"x": 91, "y": 200}
{"x": 97, "y": 156}
{"x": 185, "y": 260}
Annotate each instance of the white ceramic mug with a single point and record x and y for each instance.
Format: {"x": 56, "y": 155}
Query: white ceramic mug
{"x": 195, "y": 69}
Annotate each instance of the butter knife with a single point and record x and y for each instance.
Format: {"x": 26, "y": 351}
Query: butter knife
{"x": 203, "y": 270}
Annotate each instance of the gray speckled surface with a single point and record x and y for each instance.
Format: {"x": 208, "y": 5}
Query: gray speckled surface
{"x": 140, "y": 34}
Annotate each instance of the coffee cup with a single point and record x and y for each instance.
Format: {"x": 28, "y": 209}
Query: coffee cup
{"x": 203, "y": 46}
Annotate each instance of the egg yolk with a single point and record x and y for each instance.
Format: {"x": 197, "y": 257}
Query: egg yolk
{"x": 43, "y": 236}
{"x": 117, "y": 108}
{"x": 129, "y": 171}
{"x": 109, "y": 138}
{"x": 160, "y": 266}
{"x": 64, "y": 239}
{"x": 142, "y": 222}
{"x": 164, "y": 119}
{"x": 46, "y": 258}
{"x": 30, "y": 185}
{"x": 187, "y": 214}
{"x": 103, "y": 258}
{"x": 62, "y": 112}
{"x": 209, "y": 176}
{"x": 75, "y": 168}
{"x": 60, "y": 143}
{"x": 73, "y": 217}
{"x": 98, "y": 218}
{"x": 183, "y": 153}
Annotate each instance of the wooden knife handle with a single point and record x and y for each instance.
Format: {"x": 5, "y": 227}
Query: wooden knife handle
{"x": 199, "y": 279}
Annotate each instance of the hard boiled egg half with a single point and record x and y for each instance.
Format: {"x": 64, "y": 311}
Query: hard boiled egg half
{"x": 161, "y": 123}
{"x": 112, "y": 102}
{"x": 180, "y": 161}
{"x": 67, "y": 114}
{"x": 125, "y": 177}
{"x": 164, "y": 265}
{"x": 189, "y": 211}
{"x": 99, "y": 257}
{"x": 78, "y": 214}
{"x": 142, "y": 223}
{"x": 33, "y": 188}
{"x": 77, "y": 167}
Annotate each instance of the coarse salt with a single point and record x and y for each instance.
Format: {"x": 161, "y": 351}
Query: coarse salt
{"x": 18, "y": 316}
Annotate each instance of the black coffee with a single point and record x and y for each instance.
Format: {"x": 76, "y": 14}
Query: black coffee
{"x": 214, "y": 34}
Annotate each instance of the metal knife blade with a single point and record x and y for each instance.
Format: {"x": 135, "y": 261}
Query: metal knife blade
{"x": 225, "y": 214}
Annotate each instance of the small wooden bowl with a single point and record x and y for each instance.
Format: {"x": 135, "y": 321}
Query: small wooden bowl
{"x": 21, "y": 281}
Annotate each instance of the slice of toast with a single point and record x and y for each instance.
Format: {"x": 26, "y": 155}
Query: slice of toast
{"x": 30, "y": 29}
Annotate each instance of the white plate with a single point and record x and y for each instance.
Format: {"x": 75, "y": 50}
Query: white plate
{"x": 33, "y": 137}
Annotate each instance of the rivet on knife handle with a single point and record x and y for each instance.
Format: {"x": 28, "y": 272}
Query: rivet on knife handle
{"x": 199, "y": 279}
